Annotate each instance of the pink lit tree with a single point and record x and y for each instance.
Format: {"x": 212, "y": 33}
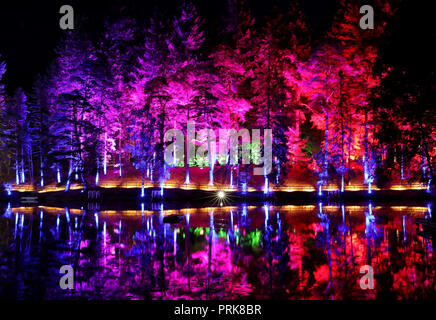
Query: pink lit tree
{"x": 119, "y": 51}
{"x": 231, "y": 59}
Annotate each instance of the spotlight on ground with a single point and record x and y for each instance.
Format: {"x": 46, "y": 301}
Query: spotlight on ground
{"x": 221, "y": 195}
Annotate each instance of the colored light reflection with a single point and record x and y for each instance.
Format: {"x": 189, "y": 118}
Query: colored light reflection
{"x": 303, "y": 251}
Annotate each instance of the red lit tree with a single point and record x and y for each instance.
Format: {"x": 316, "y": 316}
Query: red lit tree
{"x": 321, "y": 78}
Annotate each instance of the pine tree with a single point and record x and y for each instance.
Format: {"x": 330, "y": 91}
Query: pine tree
{"x": 209, "y": 89}
{"x": 231, "y": 59}
{"x": 4, "y": 165}
{"x": 320, "y": 85}
{"x": 40, "y": 123}
{"x": 74, "y": 107}
{"x": 18, "y": 135}
{"x": 404, "y": 101}
{"x": 187, "y": 40}
{"x": 119, "y": 52}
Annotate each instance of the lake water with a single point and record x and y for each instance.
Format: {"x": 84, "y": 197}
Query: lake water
{"x": 313, "y": 251}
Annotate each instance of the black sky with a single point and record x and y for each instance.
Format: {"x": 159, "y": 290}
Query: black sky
{"x": 29, "y": 32}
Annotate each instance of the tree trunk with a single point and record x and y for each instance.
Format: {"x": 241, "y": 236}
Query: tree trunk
{"x": 143, "y": 182}
{"x": 17, "y": 171}
{"x": 186, "y": 160}
{"x": 365, "y": 145}
{"x": 41, "y": 170}
{"x": 326, "y": 145}
{"x": 97, "y": 176}
{"x": 349, "y": 152}
{"x": 120, "y": 158}
{"x": 210, "y": 157}
{"x": 23, "y": 177}
{"x": 105, "y": 154}
{"x": 30, "y": 160}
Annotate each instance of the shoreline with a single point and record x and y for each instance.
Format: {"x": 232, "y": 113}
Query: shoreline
{"x": 113, "y": 198}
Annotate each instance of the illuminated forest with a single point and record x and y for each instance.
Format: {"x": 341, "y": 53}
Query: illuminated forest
{"x": 345, "y": 108}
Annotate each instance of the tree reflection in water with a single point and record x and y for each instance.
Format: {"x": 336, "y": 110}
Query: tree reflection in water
{"x": 267, "y": 252}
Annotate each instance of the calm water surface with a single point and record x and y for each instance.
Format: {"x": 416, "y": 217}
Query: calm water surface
{"x": 288, "y": 252}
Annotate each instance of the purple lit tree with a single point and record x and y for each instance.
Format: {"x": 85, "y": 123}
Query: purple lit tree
{"x": 40, "y": 121}
{"x": 18, "y": 135}
{"x": 119, "y": 51}
{"x": 75, "y": 107}
{"x": 4, "y": 168}
{"x": 187, "y": 40}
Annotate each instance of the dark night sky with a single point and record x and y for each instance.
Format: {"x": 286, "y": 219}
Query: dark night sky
{"x": 29, "y": 32}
